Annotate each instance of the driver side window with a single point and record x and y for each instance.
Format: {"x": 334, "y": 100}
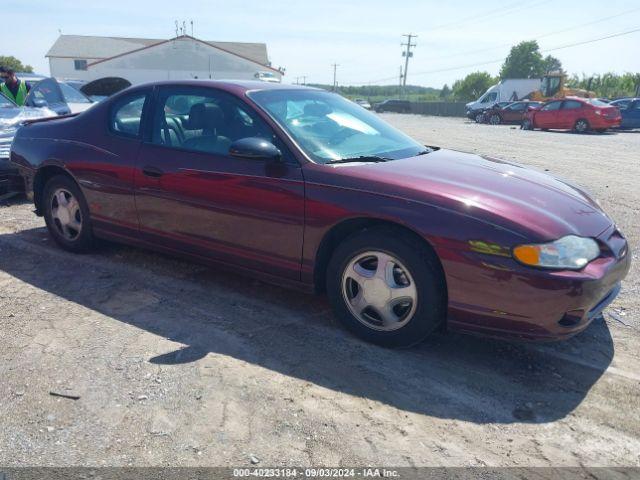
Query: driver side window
{"x": 205, "y": 120}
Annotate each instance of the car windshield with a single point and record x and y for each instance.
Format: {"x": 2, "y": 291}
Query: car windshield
{"x": 71, "y": 95}
{"x": 329, "y": 127}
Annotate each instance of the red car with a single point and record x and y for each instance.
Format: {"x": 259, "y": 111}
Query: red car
{"x": 578, "y": 114}
{"x": 511, "y": 113}
{"x": 305, "y": 188}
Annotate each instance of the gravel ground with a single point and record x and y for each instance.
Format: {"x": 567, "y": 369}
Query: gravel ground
{"x": 162, "y": 362}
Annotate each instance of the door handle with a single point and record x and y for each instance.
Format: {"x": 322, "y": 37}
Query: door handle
{"x": 153, "y": 172}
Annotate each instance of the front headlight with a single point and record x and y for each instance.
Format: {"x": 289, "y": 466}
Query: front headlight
{"x": 570, "y": 252}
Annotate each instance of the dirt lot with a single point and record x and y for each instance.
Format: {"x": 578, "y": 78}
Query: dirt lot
{"x": 177, "y": 364}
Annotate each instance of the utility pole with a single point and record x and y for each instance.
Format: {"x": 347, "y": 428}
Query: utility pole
{"x": 400, "y": 83}
{"x": 335, "y": 68}
{"x": 304, "y": 80}
{"x": 407, "y": 54}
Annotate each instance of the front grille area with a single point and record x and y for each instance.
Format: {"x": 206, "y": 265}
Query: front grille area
{"x": 5, "y": 147}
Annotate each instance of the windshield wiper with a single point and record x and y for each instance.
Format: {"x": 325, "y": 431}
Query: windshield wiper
{"x": 362, "y": 158}
{"x": 424, "y": 152}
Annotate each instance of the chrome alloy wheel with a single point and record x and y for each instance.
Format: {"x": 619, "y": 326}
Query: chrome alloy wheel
{"x": 66, "y": 214}
{"x": 379, "y": 291}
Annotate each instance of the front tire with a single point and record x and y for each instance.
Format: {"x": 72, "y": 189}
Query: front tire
{"x": 387, "y": 287}
{"x": 527, "y": 124}
{"x": 67, "y": 215}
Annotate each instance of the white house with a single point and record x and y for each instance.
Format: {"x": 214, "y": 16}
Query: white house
{"x": 143, "y": 60}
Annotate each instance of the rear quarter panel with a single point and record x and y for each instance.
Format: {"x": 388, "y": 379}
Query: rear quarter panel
{"x": 99, "y": 162}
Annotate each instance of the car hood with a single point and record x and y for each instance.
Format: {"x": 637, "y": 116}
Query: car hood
{"x": 506, "y": 194}
{"x": 10, "y": 117}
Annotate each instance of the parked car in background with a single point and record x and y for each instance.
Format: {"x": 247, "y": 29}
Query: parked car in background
{"x": 363, "y": 103}
{"x": 630, "y": 111}
{"x": 621, "y": 102}
{"x": 397, "y": 106}
{"x": 572, "y": 113}
{"x": 303, "y": 187}
{"x": 479, "y": 115}
{"x": 509, "y": 90}
{"x": 510, "y": 114}
{"x": 11, "y": 116}
{"x": 74, "y": 98}
{"x": 57, "y": 96}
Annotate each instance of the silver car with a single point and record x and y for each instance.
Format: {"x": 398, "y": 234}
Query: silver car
{"x": 11, "y": 116}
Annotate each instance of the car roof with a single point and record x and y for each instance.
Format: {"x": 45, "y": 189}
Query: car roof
{"x": 235, "y": 86}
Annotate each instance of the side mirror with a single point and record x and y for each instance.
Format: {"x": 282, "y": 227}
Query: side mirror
{"x": 255, "y": 148}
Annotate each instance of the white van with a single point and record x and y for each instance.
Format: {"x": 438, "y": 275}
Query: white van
{"x": 509, "y": 90}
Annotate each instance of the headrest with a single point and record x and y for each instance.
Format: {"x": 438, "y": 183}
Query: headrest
{"x": 204, "y": 116}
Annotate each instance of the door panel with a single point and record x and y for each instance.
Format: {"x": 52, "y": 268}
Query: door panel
{"x": 239, "y": 211}
{"x": 570, "y": 112}
{"x": 547, "y": 116}
{"x": 631, "y": 115}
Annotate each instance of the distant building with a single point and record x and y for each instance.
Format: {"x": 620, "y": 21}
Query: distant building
{"x": 143, "y": 59}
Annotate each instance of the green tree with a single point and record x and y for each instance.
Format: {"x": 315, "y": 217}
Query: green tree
{"x": 551, "y": 64}
{"x": 445, "y": 93}
{"x": 524, "y": 61}
{"x": 14, "y": 64}
{"x": 472, "y": 86}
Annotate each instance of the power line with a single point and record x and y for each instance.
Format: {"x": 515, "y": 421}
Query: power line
{"x": 585, "y": 42}
{"x": 490, "y": 62}
{"x": 549, "y": 34}
{"x": 476, "y": 17}
{"x": 491, "y": 14}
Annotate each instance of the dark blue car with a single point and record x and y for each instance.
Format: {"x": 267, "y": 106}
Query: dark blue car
{"x": 630, "y": 110}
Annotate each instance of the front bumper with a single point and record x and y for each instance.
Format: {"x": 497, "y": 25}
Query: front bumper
{"x": 526, "y": 303}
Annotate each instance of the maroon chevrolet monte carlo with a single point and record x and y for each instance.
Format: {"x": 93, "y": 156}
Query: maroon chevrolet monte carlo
{"x": 303, "y": 187}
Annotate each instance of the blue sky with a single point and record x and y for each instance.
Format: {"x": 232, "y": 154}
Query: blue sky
{"x": 362, "y": 36}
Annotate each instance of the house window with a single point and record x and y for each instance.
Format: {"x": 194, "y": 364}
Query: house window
{"x": 80, "y": 64}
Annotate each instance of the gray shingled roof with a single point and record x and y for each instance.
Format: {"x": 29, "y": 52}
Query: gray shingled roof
{"x": 81, "y": 46}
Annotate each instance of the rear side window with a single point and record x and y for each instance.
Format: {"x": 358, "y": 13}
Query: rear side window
{"x": 571, "y": 105}
{"x": 126, "y": 115}
{"x": 551, "y": 106}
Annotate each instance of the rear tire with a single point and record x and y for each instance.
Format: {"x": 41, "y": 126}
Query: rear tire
{"x": 394, "y": 304}
{"x": 495, "y": 119}
{"x": 581, "y": 126}
{"x": 67, "y": 215}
